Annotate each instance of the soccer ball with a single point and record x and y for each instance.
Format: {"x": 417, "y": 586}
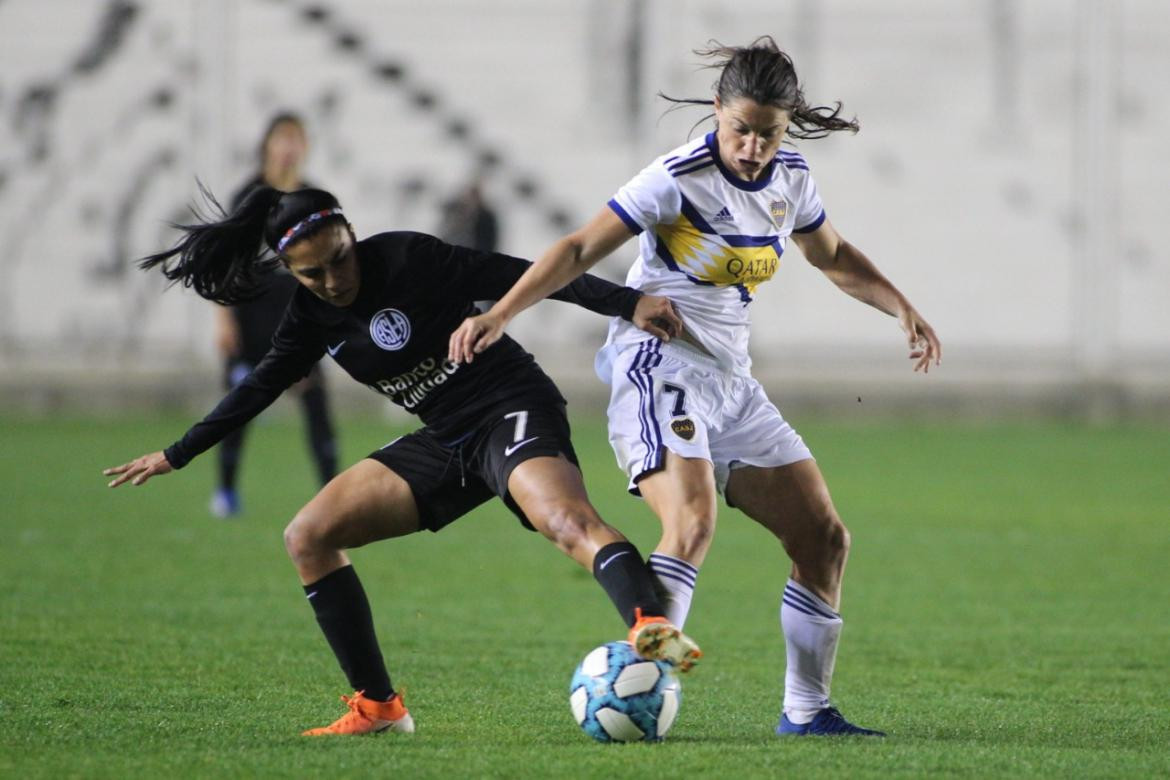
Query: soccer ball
{"x": 617, "y": 696}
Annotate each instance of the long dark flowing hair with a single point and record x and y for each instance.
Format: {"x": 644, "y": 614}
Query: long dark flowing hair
{"x": 220, "y": 256}
{"x": 762, "y": 72}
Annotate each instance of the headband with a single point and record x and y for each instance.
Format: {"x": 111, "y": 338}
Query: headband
{"x": 291, "y": 234}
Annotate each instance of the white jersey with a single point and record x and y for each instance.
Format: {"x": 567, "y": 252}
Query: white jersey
{"x": 708, "y": 239}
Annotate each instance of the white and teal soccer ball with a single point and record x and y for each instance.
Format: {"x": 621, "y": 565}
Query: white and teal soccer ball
{"x": 618, "y": 697}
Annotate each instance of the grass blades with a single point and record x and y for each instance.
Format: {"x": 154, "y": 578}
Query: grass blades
{"x": 1005, "y": 615}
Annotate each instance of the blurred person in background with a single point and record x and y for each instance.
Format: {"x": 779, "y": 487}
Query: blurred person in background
{"x": 687, "y": 419}
{"x": 469, "y": 220}
{"x": 384, "y": 309}
{"x": 244, "y": 330}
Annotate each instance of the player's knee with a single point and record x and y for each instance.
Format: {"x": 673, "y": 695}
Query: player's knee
{"x": 822, "y": 542}
{"x": 833, "y": 540}
{"x": 840, "y": 540}
{"x": 303, "y": 536}
{"x": 568, "y": 525}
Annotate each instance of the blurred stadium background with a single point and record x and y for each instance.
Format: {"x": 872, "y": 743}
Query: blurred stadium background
{"x": 1009, "y": 177}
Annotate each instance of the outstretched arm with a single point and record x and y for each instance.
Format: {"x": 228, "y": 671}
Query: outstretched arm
{"x": 239, "y": 406}
{"x": 560, "y": 264}
{"x": 849, "y": 269}
{"x": 289, "y": 360}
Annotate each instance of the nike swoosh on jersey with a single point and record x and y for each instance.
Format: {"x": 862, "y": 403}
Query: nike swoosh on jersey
{"x": 334, "y": 350}
{"x": 512, "y": 448}
{"x": 606, "y": 562}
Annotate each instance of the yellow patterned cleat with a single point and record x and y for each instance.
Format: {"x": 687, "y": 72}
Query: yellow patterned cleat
{"x": 367, "y": 716}
{"x": 657, "y": 639}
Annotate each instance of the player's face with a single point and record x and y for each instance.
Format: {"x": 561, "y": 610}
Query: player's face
{"x": 749, "y": 135}
{"x": 326, "y": 263}
{"x": 286, "y": 146}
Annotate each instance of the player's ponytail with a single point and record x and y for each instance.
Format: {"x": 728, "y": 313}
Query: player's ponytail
{"x": 763, "y": 73}
{"x": 223, "y": 256}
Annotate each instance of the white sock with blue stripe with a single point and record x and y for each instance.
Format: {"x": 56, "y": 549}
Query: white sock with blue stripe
{"x": 674, "y": 579}
{"x": 811, "y": 630}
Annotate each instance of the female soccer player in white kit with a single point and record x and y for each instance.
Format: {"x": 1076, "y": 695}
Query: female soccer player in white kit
{"x": 686, "y": 418}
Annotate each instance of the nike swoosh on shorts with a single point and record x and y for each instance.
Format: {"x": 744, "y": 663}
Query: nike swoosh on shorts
{"x": 512, "y": 448}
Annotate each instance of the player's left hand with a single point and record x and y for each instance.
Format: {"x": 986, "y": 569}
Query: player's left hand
{"x": 924, "y": 344}
{"x": 656, "y": 315}
{"x": 140, "y": 469}
{"x": 473, "y": 336}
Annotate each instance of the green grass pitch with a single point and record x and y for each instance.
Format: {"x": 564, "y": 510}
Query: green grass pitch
{"x": 1006, "y": 614}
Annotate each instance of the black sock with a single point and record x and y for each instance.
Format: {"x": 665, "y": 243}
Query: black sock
{"x": 344, "y": 615}
{"x": 626, "y": 578}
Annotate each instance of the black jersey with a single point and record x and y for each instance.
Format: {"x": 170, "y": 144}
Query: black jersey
{"x": 415, "y": 291}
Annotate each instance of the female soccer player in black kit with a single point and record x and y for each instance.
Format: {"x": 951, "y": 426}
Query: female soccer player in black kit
{"x": 244, "y": 330}
{"x": 384, "y": 309}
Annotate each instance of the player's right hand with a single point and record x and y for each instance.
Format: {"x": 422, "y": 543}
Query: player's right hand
{"x": 656, "y": 315}
{"x": 139, "y": 470}
{"x": 925, "y": 347}
{"x": 473, "y": 336}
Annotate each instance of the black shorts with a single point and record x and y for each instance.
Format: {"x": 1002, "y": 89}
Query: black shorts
{"x": 450, "y": 478}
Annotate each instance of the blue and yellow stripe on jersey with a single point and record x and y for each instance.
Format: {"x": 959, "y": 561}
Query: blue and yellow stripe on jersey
{"x": 692, "y": 247}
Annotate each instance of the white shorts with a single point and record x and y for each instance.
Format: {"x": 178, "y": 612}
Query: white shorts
{"x": 666, "y": 397}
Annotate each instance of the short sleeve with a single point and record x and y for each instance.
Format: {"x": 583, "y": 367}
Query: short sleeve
{"x": 810, "y": 212}
{"x": 650, "y": 198}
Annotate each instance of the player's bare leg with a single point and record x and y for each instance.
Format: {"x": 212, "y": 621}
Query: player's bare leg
{"x": 551, "y": 493}
{"x": 793, "y": 503}
{"x": 363, "y": 504}
{"x": 683, "y": 496}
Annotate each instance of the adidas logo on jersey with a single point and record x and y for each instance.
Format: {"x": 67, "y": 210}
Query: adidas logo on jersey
{"x": 723, "y": 216}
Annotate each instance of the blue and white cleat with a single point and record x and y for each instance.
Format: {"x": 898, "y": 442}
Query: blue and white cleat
{"x": 829, "y": 722}
{"x": 225, "y": 502}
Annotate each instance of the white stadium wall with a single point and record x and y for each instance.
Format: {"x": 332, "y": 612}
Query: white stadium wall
{"x": 1008, "y": 176}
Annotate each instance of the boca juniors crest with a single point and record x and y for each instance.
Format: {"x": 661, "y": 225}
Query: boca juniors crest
{"x": 779, "y": 209}
{"x": 683, "y": 427}
{"x": 390, "y": 329}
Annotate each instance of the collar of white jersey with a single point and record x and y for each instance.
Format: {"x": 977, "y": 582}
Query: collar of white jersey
{"x": 751, "y": 186}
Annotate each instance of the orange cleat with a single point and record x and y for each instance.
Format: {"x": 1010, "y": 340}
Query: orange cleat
{"x": 657, "y": 639}
{"x": 367, "y": 716}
